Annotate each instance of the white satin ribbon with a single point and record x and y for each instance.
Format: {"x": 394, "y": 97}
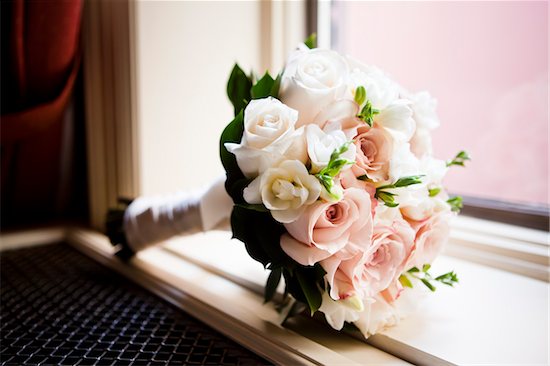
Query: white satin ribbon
{"x": 150, "y": 220}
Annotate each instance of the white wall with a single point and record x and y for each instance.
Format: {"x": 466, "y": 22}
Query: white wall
{"x": 185, "y": 51}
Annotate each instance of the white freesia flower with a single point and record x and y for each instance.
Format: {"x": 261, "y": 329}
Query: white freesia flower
{"x": 269, "y": 126}
{"x": 339, "y": 311}
{"x": 424, "y": 110}
{"x": 285, "y": 190}
{"x": 380, "y": 89}
{"x": 312, "y": 80}
{"x": 424, "y": 114}
{"x": 403, "y": 163}
{"x": 321, "y": 145}
{"x": 397, "y": 118}
{"x": 377, "y": 316}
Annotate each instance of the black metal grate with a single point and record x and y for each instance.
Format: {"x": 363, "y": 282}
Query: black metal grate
{"x": 60, "y": 307}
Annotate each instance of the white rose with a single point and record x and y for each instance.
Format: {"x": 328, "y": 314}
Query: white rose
{"x": 321, "y": 145}
{"x": 312, "y": 80}
{"x": 285, "y": 190}
{"x": 380, "y": 89}
{"x": 421, "y": 142}
{"x": 269, "y": 126}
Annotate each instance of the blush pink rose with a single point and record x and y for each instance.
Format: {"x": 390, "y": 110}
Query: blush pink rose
{"x": 327, "y": 228}
{"x": 431, "y": 236}
{"x": 374, "y": 147}
{"x": 349, "y": 180}
{"x": 376, "y": 268}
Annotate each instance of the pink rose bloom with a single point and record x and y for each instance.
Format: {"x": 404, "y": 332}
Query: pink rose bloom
{"x": 349, "y": 180}
{"x": 374, "y": 147}
{"x": 327, "y": 228}
{"x": 375, "y": 269}
{"x": 431, "y": 236}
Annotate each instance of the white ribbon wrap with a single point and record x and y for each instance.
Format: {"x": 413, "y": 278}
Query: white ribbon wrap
{"x": 150, "y": 220}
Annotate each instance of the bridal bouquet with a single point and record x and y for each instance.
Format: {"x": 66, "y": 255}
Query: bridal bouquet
{"x": 335, "y": 188}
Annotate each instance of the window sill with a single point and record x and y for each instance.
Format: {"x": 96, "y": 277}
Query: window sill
{"x": 476, "y": 322}
{"x": 492, "y": 317}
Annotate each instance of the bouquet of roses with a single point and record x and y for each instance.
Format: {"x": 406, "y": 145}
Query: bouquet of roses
{"x": 335, "y": 188}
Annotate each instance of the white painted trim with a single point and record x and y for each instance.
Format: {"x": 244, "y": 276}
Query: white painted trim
{"x": 508, "y": 247}
{"x": 109, "y": 88}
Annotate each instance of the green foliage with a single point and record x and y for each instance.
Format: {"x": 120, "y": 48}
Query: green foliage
{"x": 272, "y": 283}
{"x": 261, "y": 234}
{"x": 311, "y": 41}
{"x": 238, "y": 89}
{"x": 367, "y": 113}
{"x": 455, "y": 203}
{"x": 434, "y": 191}
{"x": 263, "y": 87}
{"x": 389, "y": 197}
{"x": 459, "y": 159}
{"x": 449, "y": 279}
{"x": 333, "y": 168}
{"x": 236, "y": 181}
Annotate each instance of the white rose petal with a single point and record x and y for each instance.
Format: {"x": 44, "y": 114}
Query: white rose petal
{"x": 339, "y": 311}
{"x": 312, "y": 80}
{"x": 285, "y": 190}
{"x": 269, "y": 130}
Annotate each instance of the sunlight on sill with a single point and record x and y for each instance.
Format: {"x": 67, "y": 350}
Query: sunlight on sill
{"x": 476, "y": 322}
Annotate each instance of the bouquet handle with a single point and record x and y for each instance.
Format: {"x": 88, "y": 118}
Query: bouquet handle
{"x": 147, "y": 221}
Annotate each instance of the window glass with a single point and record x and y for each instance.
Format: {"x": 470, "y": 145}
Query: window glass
{"x": 487, "y": 65}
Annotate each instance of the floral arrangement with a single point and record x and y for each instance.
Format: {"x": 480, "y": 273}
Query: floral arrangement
{"x": 335, "y": 188}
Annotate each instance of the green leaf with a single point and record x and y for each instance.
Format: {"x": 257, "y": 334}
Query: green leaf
{"x": 426, "y": 268}
{"x": 459, "y": 159}
{"x": 364, "y": 178}
{"x": 261, "y": 235}
{"x": 449, "y": 279}
{"x": 257, "y": 207}
{"x": 434, "y": 191}
{"x": 413, "y": 270}
{"x": 238, "y": 89}
{"x": 428, "y": 284}
{"x": 272, "y": 283}
{"x": 408, "y": 181}
{"x": 311, "y": 292}
{"x": 360, "y": 95}
{"x": 455, "y": 203}
{"x": 276, "y": 86}
{"x": 236, "y": 181}
{"x": 405, "y": 281}
{"x": 387, "y": 198}
{"x": 263, "y": 87}
{"x": 311, "y": 41}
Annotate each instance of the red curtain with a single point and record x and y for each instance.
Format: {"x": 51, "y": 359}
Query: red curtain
{"x": 40, "y": 61}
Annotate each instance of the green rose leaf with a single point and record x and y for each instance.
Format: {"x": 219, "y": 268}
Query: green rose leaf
{"x": 263, "y": 87}
{"x": 272, "y": 283}
{"x": 311, "y": 41}
{"x": 238, "y": 89}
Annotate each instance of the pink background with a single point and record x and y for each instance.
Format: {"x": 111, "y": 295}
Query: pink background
{"x": 486, "y": 63}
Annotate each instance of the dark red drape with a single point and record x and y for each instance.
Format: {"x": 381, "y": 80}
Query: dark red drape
{"x": 40, "y": 61}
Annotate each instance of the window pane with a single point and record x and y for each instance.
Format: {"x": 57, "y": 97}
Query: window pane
{"x": 487, "y": 65}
